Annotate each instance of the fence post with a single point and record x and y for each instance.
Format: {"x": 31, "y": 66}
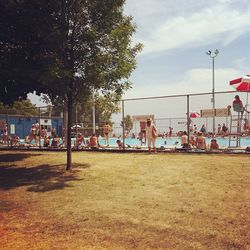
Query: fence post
{"x": 188, "y": 119}
{"x": 123, "y": 126}
{"x": 39, "y": 127}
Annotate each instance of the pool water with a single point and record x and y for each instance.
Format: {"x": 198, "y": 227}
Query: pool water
{"x": 175, "y": 141}
{"x": 166, "y": 142}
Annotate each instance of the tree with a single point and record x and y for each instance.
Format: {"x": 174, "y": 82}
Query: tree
{"x": 24, "y": 40}
{"x": 128, "y": 123}
{"x": 76, "y": 46}
{"x": 105, "y": 106}
{"x": 25, "y": 108}
{"x": 94, "y": 53}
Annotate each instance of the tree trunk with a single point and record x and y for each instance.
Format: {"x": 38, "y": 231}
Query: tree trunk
{"x": 65, "y": 126}
{"x": 69, "y": 107}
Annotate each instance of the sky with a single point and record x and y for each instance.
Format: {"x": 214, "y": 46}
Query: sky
{"x": 176, "y": 34}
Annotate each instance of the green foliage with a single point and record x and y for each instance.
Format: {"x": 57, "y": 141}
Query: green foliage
{"x": 94, "y": 50}
{"x": 105, "y": 106}
{"x": 56, "y": 46}
{"x": 65, "y": 49}
{"x": 24, "y": 28}
{"x": 25, "y": 108}
{"x": 128, "y": 123}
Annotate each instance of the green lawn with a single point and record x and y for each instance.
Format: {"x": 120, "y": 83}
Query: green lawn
{"x": 124, "y": 201}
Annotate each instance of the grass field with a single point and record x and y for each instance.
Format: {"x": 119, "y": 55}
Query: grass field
{"x": 124, "y": 201}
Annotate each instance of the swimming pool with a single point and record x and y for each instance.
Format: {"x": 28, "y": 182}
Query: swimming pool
{"x": 175, "y": 141}
{"x": 168, "y": 142}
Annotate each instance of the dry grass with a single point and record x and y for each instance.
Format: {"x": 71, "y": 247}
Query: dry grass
{"x": 124, "y": 201}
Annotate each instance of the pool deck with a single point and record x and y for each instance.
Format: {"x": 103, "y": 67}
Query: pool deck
{"x": 143, "y": 149}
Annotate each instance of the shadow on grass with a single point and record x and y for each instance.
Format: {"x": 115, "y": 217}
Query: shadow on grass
{"x": 42, "y": 178}
{"x": 15, "y": 157}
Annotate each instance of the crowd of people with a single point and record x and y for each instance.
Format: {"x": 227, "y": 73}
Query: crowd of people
{"x": 197, "y": 137}
{"x": 38, "y": 135}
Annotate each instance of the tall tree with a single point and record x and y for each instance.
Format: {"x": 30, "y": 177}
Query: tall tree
{"x": 94, "y": 52}
{"x": 128, "y": 123}
{"x": 82, "y": 46}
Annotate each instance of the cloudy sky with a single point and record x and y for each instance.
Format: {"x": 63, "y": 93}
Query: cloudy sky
{"x": 177, "y": 34}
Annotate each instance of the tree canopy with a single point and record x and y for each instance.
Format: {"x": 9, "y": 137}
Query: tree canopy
{"x": 66, "y": 49}
{"x": 52, "y": 46}
{"x": 25, "y": 108}
{"x": 105, "y": 106}
{"x": 128, "y": 123}
{"x": 23, "y": 34}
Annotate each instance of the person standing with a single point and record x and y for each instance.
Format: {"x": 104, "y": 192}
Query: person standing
{"x": 200, "y": 141}
{"x": 184, "y": 140}
{"x": 246, "y": 126}
{"x": 170, "y": 131}
{"x": 203, "y": 129}
{"x": 5, "y": 136}
{"x": 219, "y": 129}
{"x": 37, "y": 129}
{"x": 106, "y": 131}
{"x": 224, "y": 130}
{"x": 151, "y": 134}
{"x": 142, "y": 134}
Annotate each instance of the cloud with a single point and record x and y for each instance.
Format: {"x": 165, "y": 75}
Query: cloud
{"x": 37, "y": 100}
{"x": 198, "y": 80}
{"x": 218, "y": 23}
{"x": 193, "y": 81}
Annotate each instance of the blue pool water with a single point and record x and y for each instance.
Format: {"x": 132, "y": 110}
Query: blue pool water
{"x": 175, "y": 141}
{"x": 166, "y": 142}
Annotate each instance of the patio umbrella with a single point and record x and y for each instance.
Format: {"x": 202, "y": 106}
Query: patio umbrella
{"x": 194, "y": 114}
{"x": 242, "y": 84}
{"x": 75, "y": 126}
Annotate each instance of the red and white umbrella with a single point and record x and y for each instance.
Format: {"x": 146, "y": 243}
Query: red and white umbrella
{"x": 194, "y": 114}
{"x": 241, "y": 84}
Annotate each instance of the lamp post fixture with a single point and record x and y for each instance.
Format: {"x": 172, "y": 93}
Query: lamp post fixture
{"x": 213, "y": 54}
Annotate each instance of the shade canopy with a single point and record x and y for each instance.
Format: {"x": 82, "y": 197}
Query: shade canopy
{"x": 241, "y": 84}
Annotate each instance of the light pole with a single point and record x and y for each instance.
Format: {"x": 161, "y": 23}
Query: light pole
{"x": 212, "y": 55}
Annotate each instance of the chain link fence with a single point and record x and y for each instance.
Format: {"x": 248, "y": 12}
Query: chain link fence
{"x": 30, "y": 125}
{"x": 191, "y": 113}
{"x": 172, "y": 115}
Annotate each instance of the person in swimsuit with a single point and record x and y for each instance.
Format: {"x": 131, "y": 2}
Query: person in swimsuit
{"x": 200, "y": 141}
{"x": 238, "y": 105}
{"x": 214, "y": 144}
{"x": 106, "y": 131}
{"x": 93, "y": 142}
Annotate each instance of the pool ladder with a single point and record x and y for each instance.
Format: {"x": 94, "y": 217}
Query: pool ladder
{"x": 235, "y": 131}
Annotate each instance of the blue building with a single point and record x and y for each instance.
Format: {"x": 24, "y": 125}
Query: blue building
{"x": 20, "y": 125}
